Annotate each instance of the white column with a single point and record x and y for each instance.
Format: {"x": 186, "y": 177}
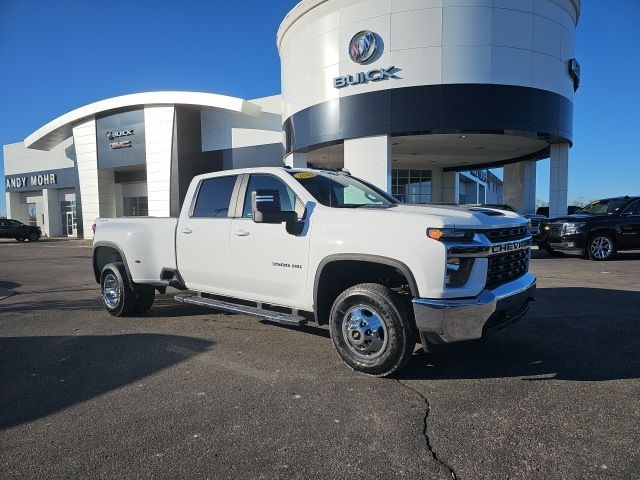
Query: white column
{"x": 119, "y": 200}
{"x": 370, "y": 159}
{"x": 559, "y": 179}
{"x": 158, "y": 125}
{"x": 450, "y": 187}
{"x": 84, "y": 139}
{"x": 296, "y": 160}
{"x": 444, "y": 186}
{"x": 14, "y": 210}
{"x": 51, "y": 210}
{"x": 520, "y": 186}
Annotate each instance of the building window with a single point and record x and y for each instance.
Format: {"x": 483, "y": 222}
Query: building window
{"x": 136, "y": 206}
{"x": 411, "y": 186}
{"x": 33, "y": 220}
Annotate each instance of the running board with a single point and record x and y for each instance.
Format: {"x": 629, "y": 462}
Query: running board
{"x": 269, "y": 315}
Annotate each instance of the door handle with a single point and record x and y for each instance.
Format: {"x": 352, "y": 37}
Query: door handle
{"x": 241, "y": 233}
{"x": 187, "y": 230}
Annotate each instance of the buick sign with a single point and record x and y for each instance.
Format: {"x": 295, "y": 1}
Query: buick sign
{"x": 363, "y": 47}
{"x": 374, "y": 75}
{"x": 112, "y": 135}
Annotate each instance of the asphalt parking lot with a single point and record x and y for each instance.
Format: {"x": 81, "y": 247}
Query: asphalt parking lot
{"x": 185, "y": 392}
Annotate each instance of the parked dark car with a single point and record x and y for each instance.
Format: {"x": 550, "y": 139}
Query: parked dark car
{"x": 18, "y": 230}
{"x": 597, "y": 231}
{"x": 571, "y": 210}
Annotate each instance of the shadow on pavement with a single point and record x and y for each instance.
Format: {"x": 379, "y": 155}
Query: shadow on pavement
{"x": 9, "y": 285}
{"x": 42, "y": 375}
{"x": 580, "y": 334}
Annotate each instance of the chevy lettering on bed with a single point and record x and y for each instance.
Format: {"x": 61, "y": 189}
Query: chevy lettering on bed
{"x": 298, "y": 245}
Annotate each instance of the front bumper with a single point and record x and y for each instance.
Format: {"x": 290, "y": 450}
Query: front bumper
{"x": 454, "y": 320}
{"x": 566, "y": 243}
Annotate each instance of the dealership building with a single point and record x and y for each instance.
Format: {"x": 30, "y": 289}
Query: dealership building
{"x": 419, "y": 97}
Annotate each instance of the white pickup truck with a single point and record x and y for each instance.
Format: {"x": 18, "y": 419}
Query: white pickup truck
{"x": 298, "y": 245}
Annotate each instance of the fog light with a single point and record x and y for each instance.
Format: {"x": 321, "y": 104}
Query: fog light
{"x": 458, "y": 271}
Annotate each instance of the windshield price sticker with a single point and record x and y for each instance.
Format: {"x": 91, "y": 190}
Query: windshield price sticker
{"x": 303, "y": 175}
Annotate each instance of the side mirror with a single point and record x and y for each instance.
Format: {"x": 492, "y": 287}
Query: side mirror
{"x": 265, "y": 207}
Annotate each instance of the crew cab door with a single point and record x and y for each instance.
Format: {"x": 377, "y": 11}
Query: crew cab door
{"x": 268, "y": 264}
{"x": 630, "y": 225}
{"x": 202, "y": 236}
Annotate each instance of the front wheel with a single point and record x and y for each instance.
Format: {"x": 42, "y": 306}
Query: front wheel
{"x": 601, "y": 247}
{"x": 20, "y": 239}
{"x": 372, "y": 329}
{"x": 34, "y": 237}
{"x": 118, "y": 296}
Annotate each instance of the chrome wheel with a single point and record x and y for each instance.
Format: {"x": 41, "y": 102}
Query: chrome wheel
{"x": 111, "y": 291}
{"x": 365, "y": 332}
{"x": 601, "y": 248}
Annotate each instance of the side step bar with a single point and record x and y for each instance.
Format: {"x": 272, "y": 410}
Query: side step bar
{"x": 269, "y": 315}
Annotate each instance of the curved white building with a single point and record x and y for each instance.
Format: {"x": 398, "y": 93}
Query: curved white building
{"x": 383, "y": 86}
{"x": 409, "y": 94}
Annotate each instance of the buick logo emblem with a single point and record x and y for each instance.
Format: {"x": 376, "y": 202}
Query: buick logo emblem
{"x": 363, "y": 47}
{"x": 111, "y": 135}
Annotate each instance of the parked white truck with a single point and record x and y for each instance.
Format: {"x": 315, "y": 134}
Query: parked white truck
{"x": 293, "y": 245}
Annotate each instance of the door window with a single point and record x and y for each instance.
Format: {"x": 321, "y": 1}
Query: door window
{"x": 288, "y": 200}
{"x": 214, "y": 197}
{"x": 633, "y": 209}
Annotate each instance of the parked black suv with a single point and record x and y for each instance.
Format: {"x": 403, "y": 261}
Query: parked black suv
{"x": 598, "y": 231}
{"x": 19, "y": 231}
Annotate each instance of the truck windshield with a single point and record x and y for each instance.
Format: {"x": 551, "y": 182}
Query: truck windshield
{"x": 604, "y": 207}
{"x": 342, "y": 191}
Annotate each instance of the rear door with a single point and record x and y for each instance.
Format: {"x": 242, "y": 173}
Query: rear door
{"x": 269, "y": 264}
{"x": 202, "y": 237}
{"x": 630, "y": 226}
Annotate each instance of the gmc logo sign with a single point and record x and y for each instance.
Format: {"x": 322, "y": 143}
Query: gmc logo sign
{"x": 510, "y": 247}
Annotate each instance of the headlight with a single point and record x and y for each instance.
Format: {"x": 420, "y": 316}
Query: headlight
{"x": 572, "y": 228}
{"x": 444, "y": 234}
{"x": 458, "y": 271}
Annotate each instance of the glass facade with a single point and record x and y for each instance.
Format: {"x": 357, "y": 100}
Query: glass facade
{"x": 136, "y": 206}
{"x": 411, "y": 186}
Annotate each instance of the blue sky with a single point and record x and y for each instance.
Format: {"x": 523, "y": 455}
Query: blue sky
{"x": 57, "y": 55}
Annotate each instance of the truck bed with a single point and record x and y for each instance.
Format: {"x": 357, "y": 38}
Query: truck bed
{"x": 147, "y": 242}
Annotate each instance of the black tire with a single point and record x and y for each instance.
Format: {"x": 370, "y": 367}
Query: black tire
{"x": 384, "y": 307}
{"x": 34, "y": 237}
{"x": 122, "y": 301}
{"x": 20, "y": 239}
{"x": 601, "y": 247}
{"x": 145, "y": 295}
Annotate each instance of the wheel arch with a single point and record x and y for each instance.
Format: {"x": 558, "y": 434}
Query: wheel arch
{"x": 337, "y": 272}
{"x": 108, "y": 252}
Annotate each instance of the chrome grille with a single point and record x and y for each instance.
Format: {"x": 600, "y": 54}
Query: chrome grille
{"x": 506, "y": 267}
{"x": 555, "y": 229}
{"x": 497, "y": 235}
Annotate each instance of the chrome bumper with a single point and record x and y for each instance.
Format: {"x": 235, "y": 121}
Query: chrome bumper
{"x": 454, "y": 320}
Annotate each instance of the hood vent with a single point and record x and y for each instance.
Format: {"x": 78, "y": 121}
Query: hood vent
{"x": 491, "y": 213}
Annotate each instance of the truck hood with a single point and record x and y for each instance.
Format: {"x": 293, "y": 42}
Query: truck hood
{"x": 459, "y": 216}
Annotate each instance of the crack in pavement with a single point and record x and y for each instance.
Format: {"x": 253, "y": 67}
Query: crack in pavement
{"x": 425, "y": 434}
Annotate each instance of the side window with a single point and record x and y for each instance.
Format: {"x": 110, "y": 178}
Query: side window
{"x": 634, "y": 208}
{"x": 214, "y": 197}
{"x": 288, "y": 199}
